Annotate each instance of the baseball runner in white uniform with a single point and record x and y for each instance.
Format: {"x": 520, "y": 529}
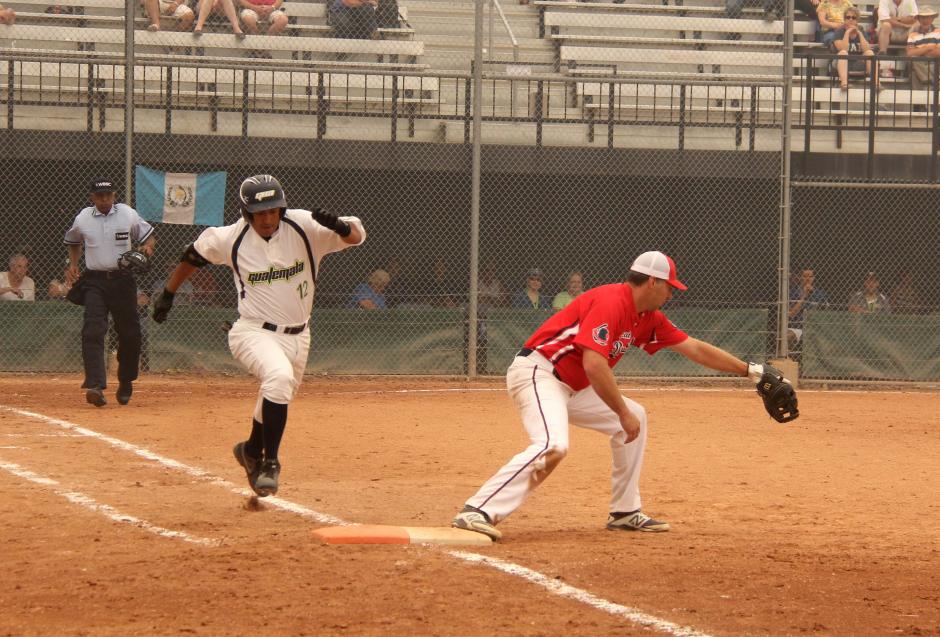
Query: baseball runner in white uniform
{"x": 274, "y": 253}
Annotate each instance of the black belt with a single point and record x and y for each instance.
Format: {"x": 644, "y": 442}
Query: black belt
{"x": 106, "y": 274}
{"x": 525, "y": 351}
{"x": 293, "y": 329}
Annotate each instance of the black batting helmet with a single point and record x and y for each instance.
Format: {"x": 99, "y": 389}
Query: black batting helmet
{"x": 261, "y": 192}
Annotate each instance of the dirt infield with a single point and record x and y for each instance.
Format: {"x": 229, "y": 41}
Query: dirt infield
{"x": 829, "y": 525}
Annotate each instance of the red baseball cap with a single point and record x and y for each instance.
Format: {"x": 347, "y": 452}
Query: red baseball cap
{"x": 658, "y": 265}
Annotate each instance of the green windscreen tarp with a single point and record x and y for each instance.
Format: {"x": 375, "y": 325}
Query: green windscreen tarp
{"x": 45, "y": 336}
{"x": 846, "y": 345}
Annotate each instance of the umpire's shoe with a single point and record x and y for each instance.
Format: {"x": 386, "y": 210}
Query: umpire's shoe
{"x": 249, "y": 463}
{"x": 635, "y": 521}
{"x": 473, "y": 519}
{"x": 124, "y": 392}
{"x": 95, "y": 397}
{"x": 266, "y": 482}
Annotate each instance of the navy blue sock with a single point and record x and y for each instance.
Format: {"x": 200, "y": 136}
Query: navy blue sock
{"x": 274, "y": 417}
{"x": 255, "y": 445}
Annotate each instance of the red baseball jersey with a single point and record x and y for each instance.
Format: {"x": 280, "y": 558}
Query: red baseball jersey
{"x": 605, "y": 320}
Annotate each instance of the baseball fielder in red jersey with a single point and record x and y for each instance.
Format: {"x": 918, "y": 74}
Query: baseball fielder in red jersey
{"x": 564, "y": 374}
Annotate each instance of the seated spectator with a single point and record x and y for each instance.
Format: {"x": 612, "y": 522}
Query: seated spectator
{"x": 205, "y": 287}
{"x": 904, "y": 295}
{"x": 895, "y": 19}
{"x": 369, "y": 295}
{"x": 574, "y": 285}
{"x": 869, "y": 300}
{"x": 923, "y": 41}
{"x": 805, "y": 295}
{"x": 269, "y": 11}
{"x": 14, "y": 284}
{"x": 830, "y": 14}
{"x": 7, "y": 16}
{"x": 218, "y": 7}
{"x": 849, "y": 42}
{"x": 354, "y": 19}
{"x": 491, "y": 291}
{"x": 440, "y": 289}
{"x": 178, "y": 9}
{"x": 530, "y": 296}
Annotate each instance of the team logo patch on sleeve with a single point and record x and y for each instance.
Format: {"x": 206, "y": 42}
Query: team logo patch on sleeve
{"x": 601, "y": 334}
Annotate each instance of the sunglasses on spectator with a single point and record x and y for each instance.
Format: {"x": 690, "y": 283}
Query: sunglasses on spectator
{"x": 851, "y": 17}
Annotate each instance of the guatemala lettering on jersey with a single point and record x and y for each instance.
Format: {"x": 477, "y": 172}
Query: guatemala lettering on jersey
{"x": 605, "y": 320}
{"x": 273, "y": 274}
{"x": 278, "y": 275}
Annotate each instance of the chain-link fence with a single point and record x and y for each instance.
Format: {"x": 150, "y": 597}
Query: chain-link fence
{"x": 605, "y": 130}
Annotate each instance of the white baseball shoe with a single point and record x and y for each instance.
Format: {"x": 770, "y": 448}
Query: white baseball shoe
{"x": 635, "y": 521}
{"x": 473, "y": 519}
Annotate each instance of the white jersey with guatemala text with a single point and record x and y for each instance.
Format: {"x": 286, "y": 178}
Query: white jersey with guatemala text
{"x": 275, "y": 278}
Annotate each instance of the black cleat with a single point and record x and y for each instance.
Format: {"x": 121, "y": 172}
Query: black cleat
{"x": 250, "y": 464}
{"x": 266, "y": 482}
{"x": 124, "y": 392}
{"x": 95, "y": 397}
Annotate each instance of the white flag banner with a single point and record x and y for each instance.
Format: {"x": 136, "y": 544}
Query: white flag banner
{"x": 179, "y": 200}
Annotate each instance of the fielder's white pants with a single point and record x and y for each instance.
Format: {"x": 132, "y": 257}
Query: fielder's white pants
{"x": 547, "y": 405}
{"x": 277, "y": 360}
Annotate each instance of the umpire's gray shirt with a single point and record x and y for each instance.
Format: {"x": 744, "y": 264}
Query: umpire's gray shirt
{"x": 108, "y": 236}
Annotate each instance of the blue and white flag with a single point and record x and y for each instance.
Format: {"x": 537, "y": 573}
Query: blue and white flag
{"x": 181, "y": 198}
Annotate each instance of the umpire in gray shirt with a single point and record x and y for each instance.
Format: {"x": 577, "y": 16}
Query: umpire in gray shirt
{"x": 105, "y": 231}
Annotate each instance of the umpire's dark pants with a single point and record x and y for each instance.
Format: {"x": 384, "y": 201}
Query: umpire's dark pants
{"x": 115, "y": 293}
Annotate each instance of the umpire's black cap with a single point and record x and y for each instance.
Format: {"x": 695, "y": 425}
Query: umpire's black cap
{"x": 261, "y": 192}
{"x": 101, "y": 184}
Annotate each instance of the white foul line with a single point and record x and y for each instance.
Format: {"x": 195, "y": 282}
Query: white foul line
{"x": 179, "y": 466}
{"x": 104, "y": 509}
{"x": 553, "y": 586}
{"x": 580, "y": 595}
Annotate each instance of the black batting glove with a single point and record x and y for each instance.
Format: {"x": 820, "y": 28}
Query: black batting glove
{"x": 161, "y": 309}
{"x": 331, "y": 221}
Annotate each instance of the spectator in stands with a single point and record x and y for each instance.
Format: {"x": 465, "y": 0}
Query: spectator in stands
{"x": 178, "y": 9}
{"x": 205, "y": 287}
{"x": 14, "y": 284}
{"x": 531, "y": 295}
{"x": 574, "y": 285}
{"x": 354, "y": 19}
{"x": 804, "y": 296}
{"x": 218, "y": 7}
{"x": 7, "y": 16}
{"x": 370, "y": 294}
{"x": 831, "y": 14}
{"x": 923, "y": 41}
{"x": 441, "y": 290}
{"x": 270, "y": 11}
{"x": 905, "y": 297}
{"x": 895, "y": 19}
{"x": 869, "y": 300}
{"x": 773, "y": 9}
{"x": 853, "y": 49}
{"x": 490, "y": 288}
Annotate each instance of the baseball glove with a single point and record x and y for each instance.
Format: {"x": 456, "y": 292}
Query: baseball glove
{"x": 778, "y": 395}
{"x": 134, "y": 262}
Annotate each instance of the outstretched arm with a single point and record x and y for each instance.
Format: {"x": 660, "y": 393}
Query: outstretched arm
{"x": 708, "y": 355}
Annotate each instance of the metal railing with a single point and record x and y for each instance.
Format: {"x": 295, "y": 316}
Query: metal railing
{"x": 512, "y": 37}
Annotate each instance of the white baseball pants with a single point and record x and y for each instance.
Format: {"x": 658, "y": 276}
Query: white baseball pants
{"x": 277, "y": 360}
{"x": 547, "y": 405}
